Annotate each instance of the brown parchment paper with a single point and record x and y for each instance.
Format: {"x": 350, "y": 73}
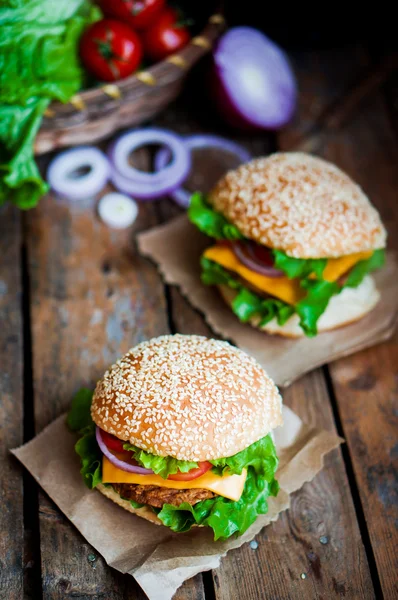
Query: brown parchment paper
{"x": 176, "y": 249}
{"x": 158, "y": 559}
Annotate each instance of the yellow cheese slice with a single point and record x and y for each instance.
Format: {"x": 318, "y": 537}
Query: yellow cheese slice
{"x": 229, "y": 486}
{"x": 288, "y": 290}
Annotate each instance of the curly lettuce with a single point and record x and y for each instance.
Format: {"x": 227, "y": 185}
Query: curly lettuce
{"x": 79, "y": 420}
{"x": 39, "y": 62}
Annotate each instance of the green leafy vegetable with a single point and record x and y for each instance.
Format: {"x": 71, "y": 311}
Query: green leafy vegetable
{"x": 79, "y": 416}
{"x": 224, "y": 516}
{"x": 246, "y": 304}
{"x": 160, "y": 465}
{"x": 79, "y": 420}
{"x": 363, "y": 267}
{"x": 39, "y": 62}
{"x": 298, "y": 268}
{"x": 209, "y": 221}
{"x": 261, "y": 456}
{"x": 90, "y": 455}
{"x": 315, "y": 302}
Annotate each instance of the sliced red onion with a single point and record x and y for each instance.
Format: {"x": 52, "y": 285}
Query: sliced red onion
{"x": 182, "y": 196}
{"x": 120, "y": 464}
{"x": 254, "y": 85}
{"x": 244, "y": 253}
{"x": 60, "y": 174}
{"x": 142, "y": 185}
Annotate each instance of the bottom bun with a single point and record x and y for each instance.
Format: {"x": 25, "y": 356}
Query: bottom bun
{"x": 145, "y": 512}
{"x": 350, "y": 305}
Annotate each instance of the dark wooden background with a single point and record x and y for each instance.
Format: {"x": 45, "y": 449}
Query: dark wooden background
{"x": 74, "y": 295}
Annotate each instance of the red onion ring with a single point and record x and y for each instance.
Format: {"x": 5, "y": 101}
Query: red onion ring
{"x": 181, "y": 196}
{"x": 120, "y": 464}
{"x": 142, "y": 185}
{"x": 244, "y": 253}
{"x": 84, "y": 186}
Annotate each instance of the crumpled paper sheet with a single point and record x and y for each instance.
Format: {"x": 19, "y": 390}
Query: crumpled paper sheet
{"x": 176, "y": 248}
{"x": 157, "y": 558}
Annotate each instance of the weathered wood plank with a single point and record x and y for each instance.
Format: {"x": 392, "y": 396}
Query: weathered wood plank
{"x": 362, "y": 143}
{"x": 366, "y": 383}
{"x": 11, "y": 405}
{"x": 92, "y": 298}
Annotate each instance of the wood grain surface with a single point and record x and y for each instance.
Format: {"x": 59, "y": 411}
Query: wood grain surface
{"x": 86, "y": 296}
{"x": 11, "y": 406}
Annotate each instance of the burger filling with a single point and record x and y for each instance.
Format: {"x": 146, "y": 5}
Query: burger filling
{"x": 226, "y": 494}
{"x": 268, "y": 283}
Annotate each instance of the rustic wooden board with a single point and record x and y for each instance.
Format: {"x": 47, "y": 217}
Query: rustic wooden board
{"x": 11, "y": 405}
{"x": 366, "y": 384}
{"x": 92, "y": 298}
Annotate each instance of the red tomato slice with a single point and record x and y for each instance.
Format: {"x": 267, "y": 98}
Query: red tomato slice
{"x": 112, "y": 442}
{"x": 193, "y": 473}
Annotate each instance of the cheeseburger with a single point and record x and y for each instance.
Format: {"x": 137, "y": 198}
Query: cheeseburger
{"x": 179, "y": 432}
{"x": 296, "y": 240}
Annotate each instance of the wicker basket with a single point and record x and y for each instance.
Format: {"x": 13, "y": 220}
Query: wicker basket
{"x": 96, "y": 113}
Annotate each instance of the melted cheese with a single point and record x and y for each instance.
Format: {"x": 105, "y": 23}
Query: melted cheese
{"x": 229, "y": 486}
{"x": 288, "y": 290}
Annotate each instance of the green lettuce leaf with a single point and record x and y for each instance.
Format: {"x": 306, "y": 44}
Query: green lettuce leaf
{"x": 260, "y": 456}
{"x": 79, "y": 420}
{"x": 362, "y": 268}
{"x": 160, "y": 465}
{"x": 79, "y": 416}
{"x": 298, "y": 268}
{"x": 224, "y": 516}
{"x": 315, "y": 302}
{"x": 39, "y": 62}
{"x": 91, "y": 459}
{"x": 209, "y": 221}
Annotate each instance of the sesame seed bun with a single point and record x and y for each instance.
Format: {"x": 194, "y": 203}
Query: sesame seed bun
{"x": 300, "y": 204}
{"x": 350, "y": 305}
{"x": 188, "y": 397}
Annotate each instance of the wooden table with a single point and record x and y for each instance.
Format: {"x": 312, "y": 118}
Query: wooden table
{"x": 74, "y": 295}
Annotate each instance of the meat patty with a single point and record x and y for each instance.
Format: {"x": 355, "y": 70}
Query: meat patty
{"x": 157, "y": 496}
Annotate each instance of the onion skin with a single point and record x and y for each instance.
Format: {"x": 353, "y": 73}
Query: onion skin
{"x": 120, "y": 464}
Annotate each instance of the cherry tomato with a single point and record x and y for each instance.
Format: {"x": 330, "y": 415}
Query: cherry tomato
{"x": 112, "y": 442}
{"x": 193, "y": 473}
{"x": 165, "y": 36}
{"x": 137, "y": 13}
{"x": 110, "y": 50}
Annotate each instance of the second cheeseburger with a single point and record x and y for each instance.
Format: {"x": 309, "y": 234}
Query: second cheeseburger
{"x": 296, "y": 241}
{"x": 178, "y": 431}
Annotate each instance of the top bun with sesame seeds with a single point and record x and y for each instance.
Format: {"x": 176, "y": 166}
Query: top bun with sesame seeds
{"x": 300, "y": 204}
{"x": 187, "y": 397}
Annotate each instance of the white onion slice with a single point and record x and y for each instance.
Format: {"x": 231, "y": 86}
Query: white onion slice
{"x": 117, "y": 210}
{"x": 120, "y": 464}
{"x": 60, "y": 174}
